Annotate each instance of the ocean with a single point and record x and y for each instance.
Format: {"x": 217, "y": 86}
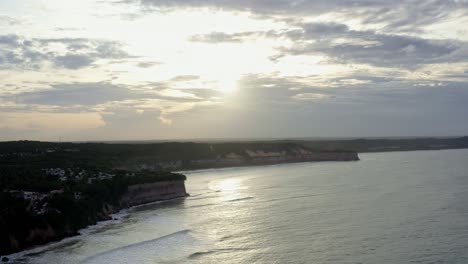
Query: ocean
{"x": 394, "y": 207}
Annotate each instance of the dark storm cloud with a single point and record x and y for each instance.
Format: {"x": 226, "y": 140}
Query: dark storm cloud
{"x": 23, "y": 53}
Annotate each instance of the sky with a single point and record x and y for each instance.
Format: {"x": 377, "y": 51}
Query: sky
{"x": 189, "y": 69}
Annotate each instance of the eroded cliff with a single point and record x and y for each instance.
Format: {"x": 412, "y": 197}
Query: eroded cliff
{"x": 151, "y": 192}
{"x": 21, "y": 231}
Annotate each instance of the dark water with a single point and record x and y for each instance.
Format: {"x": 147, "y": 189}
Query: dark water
{"x": 405, "y": 207}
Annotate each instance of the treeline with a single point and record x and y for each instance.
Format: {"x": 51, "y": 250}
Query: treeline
{"x": 16, "y": 177}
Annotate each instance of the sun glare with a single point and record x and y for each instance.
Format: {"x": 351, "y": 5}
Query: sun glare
{"x": 227, "y": 85}
{"x": 229, "y": 185}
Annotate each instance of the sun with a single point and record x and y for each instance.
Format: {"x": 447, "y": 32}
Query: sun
{"x": 227, "y": 85}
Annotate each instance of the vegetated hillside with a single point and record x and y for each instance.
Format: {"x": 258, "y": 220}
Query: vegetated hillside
{"x": 382, "y": 145}
{"x": 102, "y": 155}
{"x": 187, "y": 155}
{"x": 37, "y": 207}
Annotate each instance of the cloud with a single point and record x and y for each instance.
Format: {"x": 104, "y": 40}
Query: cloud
{"x": 147, "y": 64}
{"x": 71, "y": 95}
{"x": 184, "y": 78}
{"x": 71, "y": 61}
{"x": 10, "y": 21}
{"x": 9, "y": 40}
{"x": 109, "y": 98}
{"x": 333, "y": 65}
{"x": 205, "y": 93}
{"x": 309, "y": 96}
{"x": 77, "y": 94}
{"x": 400, "y": 15}
{"x": 343, "y": 45}
{"x": 68, "y": 29}
{"x": 408, "y": 16}
{"x": 220, "y": 37}
{"x": 165, "y": 120}
{"x": 69, "y": 53}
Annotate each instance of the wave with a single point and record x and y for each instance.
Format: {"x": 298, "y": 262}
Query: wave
{"x": 122, "y": 254}
{"x": 117, "y": 218}
{"x": 216, "y": 251}
{"x": 241, "y": 199}
{"x": 202, "y": 198}
{"x": 201, "y": 205}
{"x": 289, "y": 198}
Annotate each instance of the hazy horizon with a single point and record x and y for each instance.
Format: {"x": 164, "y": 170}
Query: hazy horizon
{"x": 126, "y": 70}
{"x": 207, "y": 140}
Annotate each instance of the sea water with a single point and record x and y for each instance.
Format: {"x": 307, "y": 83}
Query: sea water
{"x": 396, "y": 207}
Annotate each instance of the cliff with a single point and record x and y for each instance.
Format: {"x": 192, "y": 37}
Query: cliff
{"x": 20, "y": 232}
{"x": 151, "y": 192}
{"x": 240, "y": 156}
{"x": 271, "y": 158}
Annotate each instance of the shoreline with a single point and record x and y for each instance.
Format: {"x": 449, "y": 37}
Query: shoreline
{"x": 135, "y": 195}
{"x": 189, "y": 171}
{"x": 354, "y": 158}
{"x": 116, "y": 218}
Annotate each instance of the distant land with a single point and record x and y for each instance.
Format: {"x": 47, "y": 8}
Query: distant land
{"x": 385, "y": 144}
{"x": 163, "y": 156}
{"x": 255, "y": 139}
{"x": 49, "y": 190}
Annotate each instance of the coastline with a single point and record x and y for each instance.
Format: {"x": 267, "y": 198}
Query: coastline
{"x": 190, "y": 171}
{"x": 116, "y": 218}
{"x": 137, "y": 195}
{"x": 197, "y": 165}
{"x": 150, "y": 192}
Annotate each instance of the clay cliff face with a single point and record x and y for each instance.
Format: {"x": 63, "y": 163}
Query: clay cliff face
{"x": 267, "y": 158}
{"x": 243, "y": 158}
{"x": 151, "y": 192}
